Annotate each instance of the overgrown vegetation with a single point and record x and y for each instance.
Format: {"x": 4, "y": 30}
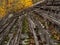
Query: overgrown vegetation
{"x": 25, "y": 31}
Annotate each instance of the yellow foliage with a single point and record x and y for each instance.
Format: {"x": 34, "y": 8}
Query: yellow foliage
{"x": 10, "y": 1}
{"x": 21, "y": 4}
{"x": 17, "y": 6}
{"x": 28, "y": 3}
{"x": 3, "y": 9}
{"x": 2, "y": 12}
{"x": 14, "y": 6}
